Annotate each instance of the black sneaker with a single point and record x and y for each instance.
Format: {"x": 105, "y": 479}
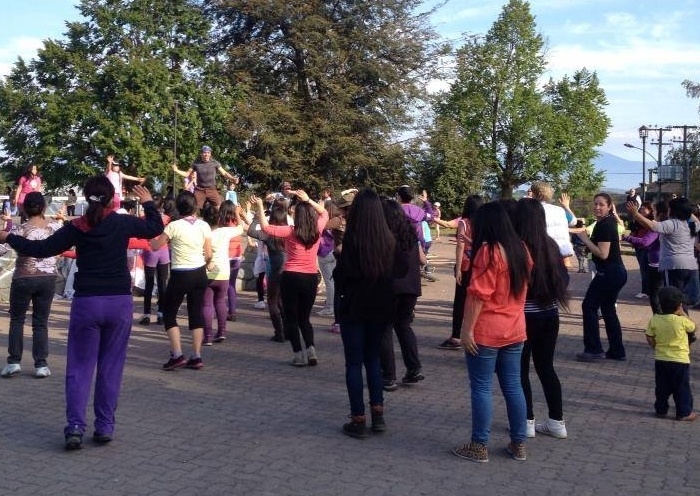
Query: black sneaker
{"x": 101, "y": 438}
{"x": 145, "y": 320}
{"x": 159, "y": 320}
{"x": 356, "y": 428}
{"x": 194, "y": 363}
{"x": 412, "y": 377}
{"x": 175, "y": 363}
{"x": 378, "y": 422}
{"x": 448, "y": 344}
{"x": 390, "y": 385}
{"x": 74, "y": 441}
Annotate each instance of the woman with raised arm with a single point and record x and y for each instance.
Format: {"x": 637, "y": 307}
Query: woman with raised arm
{"x": 610, "y": 277}
{"x": 677, "y": 236}
{"x": 299, "y": 279}
{"x": 29, "y": 181}
{"x": 33, "y": 281}
{"x": 102, "y": 308}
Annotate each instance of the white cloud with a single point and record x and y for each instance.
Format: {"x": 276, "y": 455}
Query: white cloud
{"x": 25, "y": 47}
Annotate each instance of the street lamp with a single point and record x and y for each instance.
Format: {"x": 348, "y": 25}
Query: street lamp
{"x": 643, "y": 134}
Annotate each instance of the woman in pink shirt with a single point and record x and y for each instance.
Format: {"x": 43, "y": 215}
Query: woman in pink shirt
{"x": 299, "y": 280}
{"x": 29, "y": 182}
{"x": 493, "y": 330}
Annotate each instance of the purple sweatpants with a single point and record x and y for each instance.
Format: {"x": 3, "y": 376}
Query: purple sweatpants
{"x": 98, "y": 335}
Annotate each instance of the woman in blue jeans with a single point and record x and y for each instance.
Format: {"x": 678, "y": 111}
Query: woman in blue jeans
{"x": 493, "y": 329}
{"x": 363, "y": 278}
{"x": 610, "y": 277}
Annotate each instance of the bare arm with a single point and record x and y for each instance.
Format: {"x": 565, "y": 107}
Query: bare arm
{"x": 261, "y": 211}
{"x": 304, "y": 197}
{"x": 651, "y": 342}
{"x": 600, "y": 250}
{"x": 565, "y": 201}
{"x": 472, "y": 309}
{"x": 159, "y": 242}
{"x": 208, "y": 253}
{"x": 110, "y": 161}
{"x": 133, "y": 178}
{"x": 450, "y": 224}
{"x": 639, "y": 218}
{"x": 228, "y": 175}
{"x": 180, "y": 172}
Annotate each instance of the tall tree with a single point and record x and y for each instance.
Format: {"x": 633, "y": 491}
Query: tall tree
{"x": 450, "y": 166}
{"x": 111, "y": 86}
{"x": 524, "y": 132}
{"x": 328, "y": 86}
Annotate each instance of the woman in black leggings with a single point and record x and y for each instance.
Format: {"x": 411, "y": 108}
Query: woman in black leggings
{"x": 547, "y": 290}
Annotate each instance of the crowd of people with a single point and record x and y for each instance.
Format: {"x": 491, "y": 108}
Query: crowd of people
{"x": 511, "y": 278}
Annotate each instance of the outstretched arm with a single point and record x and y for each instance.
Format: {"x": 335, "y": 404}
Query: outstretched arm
{"x": 140, "y": 180}
{"x": 228, "y": 175}
{"x": 180, "y": 172}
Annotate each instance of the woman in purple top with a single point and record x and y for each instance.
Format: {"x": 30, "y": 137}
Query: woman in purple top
{"x": 651, "y": 244}
{"x": 102, "y": 309}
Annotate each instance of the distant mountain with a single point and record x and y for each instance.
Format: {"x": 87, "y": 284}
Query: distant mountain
{"x": 620, "y": 174}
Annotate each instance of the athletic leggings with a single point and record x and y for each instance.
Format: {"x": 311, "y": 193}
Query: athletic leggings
{"x": 298, "y": 296}
{"x": 191, "y": 283}
{"x": 159, "y": 275}
{"x": 542, "y": 331}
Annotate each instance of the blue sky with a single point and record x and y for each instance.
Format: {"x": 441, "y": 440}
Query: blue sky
{"x": 641, "y": 50}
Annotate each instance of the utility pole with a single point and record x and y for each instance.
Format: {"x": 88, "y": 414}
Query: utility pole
{"x": 660, "y": 143}
{"x": 684, "y": 155}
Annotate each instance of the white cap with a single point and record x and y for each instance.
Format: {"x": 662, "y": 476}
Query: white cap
{"x": 437, "y": 204}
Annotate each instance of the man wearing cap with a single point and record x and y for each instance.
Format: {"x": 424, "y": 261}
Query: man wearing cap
{"x": 206, "y": 169}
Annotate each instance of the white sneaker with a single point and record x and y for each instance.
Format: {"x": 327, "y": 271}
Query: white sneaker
{"x": 42, "y": 372}
{"x": 530, "y": 428}
{"x": 311, "y": 355}
{"x": 10, "y": 369}
{"x": 554, "y": 428}
{"x": 641, "y": 295}
{"x": 298, "y": 360}
{"x": 260, "y": 305}
{"x": 325, "y": 312}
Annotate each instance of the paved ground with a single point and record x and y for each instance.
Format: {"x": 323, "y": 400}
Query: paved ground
{"x": 248, "y": 423}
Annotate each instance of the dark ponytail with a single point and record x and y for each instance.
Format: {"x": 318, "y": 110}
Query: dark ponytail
{"x": 99, "y": 193}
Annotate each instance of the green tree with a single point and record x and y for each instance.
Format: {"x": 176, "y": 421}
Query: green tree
{"x": 450, "y": 166}
{"x": 328, "y": 86}
{"x": 523, "y": 132}
{"x": 111, "y": 86}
